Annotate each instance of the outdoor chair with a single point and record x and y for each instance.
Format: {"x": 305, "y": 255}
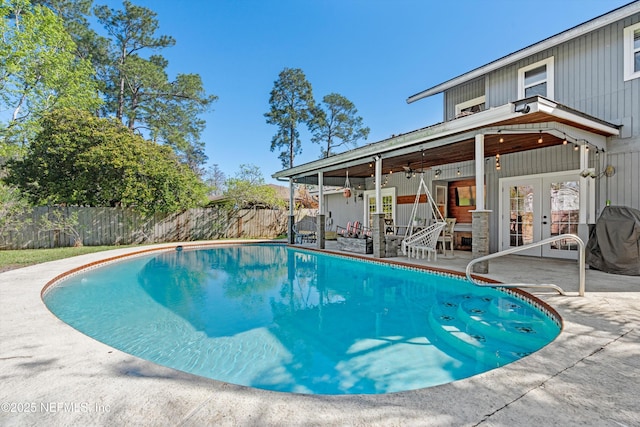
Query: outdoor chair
{"x": 447, "y": 235}
{"x": 389, "y": 227}
{"x": 305, "y": 230}
{"x": 423, "y": 243}
{"x": 353, "y": 229}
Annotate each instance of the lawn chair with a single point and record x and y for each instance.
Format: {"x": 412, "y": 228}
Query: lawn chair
{"x": 353, "y": 229}
{"x": 423, "y": 243}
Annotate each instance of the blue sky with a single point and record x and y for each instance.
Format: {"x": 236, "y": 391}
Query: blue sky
{"x": 376, "y": 53}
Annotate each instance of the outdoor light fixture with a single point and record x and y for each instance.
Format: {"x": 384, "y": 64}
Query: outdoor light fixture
{"x": 501, "y": 140}
{"x": 437, "y": 173}
{"x": 522, "y": 108}
{"x": 564, "y": 141}
{"x": 540, "y": 138}
{"x": 576, "y": 147}
{"x": 458, "y": 172}
{"x": 497, "y": 162}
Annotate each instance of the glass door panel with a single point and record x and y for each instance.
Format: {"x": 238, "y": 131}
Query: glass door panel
{"x": 522, "y": 214}
{"x": 563, "y": 212}
{"x": 388, "y": 205}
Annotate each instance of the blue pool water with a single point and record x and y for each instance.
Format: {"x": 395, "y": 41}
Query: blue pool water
{"x": 278, "y": 318}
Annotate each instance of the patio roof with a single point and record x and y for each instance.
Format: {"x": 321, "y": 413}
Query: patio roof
{"x": 520, "y": 123}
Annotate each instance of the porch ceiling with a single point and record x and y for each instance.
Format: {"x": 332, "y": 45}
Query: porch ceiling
{"x": 454, "y": 141}
{"x": 463, "y": 150}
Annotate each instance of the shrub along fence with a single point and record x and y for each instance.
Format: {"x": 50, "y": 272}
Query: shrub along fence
{"x": 50, "y": 227}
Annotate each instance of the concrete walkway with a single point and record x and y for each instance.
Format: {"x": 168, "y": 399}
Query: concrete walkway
{"x": 51, "y": 374}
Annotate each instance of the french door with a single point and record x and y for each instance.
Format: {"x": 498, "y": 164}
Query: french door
{"x": 535, "y": 208}
{"x": 388, "y": 205}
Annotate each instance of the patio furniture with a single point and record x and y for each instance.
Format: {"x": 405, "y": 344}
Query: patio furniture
{"x": 353, "y": 229}
{"x": 423, "y": 243}
{"x": 355, "y": 238}
{"x": 447, "y": 235}
{"x": 389, "y": 227}
{"x": 305, "y": 230}
{"x": 361, "y": 245}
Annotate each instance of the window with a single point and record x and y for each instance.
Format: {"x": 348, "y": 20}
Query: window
{"x": 470, "y": 107}
{"x": 632, "y": 52}
{"x": 536, "y": 80}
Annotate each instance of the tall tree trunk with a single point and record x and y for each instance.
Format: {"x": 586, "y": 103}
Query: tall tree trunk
{"x": 292, "y": 133}
{"x": 120, "y": 112}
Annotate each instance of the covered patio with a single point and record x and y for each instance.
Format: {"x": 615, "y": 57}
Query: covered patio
{"x": 527, "y": 125}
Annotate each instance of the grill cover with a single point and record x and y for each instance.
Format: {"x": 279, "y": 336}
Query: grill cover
{"x": 614, "y": 243}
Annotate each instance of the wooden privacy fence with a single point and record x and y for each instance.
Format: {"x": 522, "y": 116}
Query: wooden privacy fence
{"x": 115, "y": 226}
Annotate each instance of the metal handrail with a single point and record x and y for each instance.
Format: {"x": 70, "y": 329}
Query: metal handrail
{"x": 581, "y": 266}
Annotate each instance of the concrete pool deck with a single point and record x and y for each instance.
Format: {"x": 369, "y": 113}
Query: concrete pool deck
{"x": 51, "y": 374}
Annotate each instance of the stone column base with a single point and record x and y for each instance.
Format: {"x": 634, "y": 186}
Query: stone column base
{"x": 480, "y": 239}
{"x": 378, "y": 236}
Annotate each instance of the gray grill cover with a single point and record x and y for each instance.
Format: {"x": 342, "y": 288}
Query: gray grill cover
{"x": 614, "y": 243}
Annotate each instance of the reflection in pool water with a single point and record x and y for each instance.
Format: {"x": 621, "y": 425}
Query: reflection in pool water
{"x": 279, "y": 318}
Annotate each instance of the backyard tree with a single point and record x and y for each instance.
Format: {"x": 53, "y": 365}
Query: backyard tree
{"x": 215, "y": 180}
{"x": 13, "y": 207}
{"x": 248, "y": 189}
{"x": 139, "y": 92}
{"x": 39, "y": 71}
{"x": 80, "y": 159}
{"x": 74, "y": 15}
{"x": 291, "y": 103}
{"x": 336, "y": 125}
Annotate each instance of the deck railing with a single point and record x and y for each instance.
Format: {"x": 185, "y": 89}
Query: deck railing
{"x": 581, "y": 265}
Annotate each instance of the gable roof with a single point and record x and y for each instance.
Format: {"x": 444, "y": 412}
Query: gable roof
{"x": 579, "y": 30}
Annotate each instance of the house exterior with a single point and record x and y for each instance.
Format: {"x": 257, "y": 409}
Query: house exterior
{"x": 532, "y": 145}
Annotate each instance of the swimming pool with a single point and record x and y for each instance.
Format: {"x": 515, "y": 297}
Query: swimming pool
{"x": 279, "y": 318}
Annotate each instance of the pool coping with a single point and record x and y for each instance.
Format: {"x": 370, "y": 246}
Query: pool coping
{"x": 586, "y": 375}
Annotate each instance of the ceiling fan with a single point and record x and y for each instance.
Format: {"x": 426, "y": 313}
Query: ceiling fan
{"x": 408, "y": 172}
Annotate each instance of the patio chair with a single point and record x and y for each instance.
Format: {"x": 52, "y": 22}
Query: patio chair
{"x": 423, "y": 243}
{"x": 305, "y": 230}
{"x": 353, "y": 229}
{"x": 389, "y": 227}
{"x": 447, "y": 235}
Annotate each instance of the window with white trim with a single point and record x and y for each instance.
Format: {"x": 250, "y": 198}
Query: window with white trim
{"x": 536, "y": 80}
{"x": 632, "y": 52}
{"x": 470, "y": 107}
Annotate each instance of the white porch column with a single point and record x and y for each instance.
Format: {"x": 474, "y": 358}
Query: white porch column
{"x": 586, "y": 197}
{"x": 480, "y": 216}
{"x": 320, "y": 219}
{"x": 480, "y": 172}
{"x": 379, "y": 246}
{"x": 292, "y": 218}
{"x": 320, "y": 193}
{"x": 587, "y": 191}
{"x": 378, "y": 184}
